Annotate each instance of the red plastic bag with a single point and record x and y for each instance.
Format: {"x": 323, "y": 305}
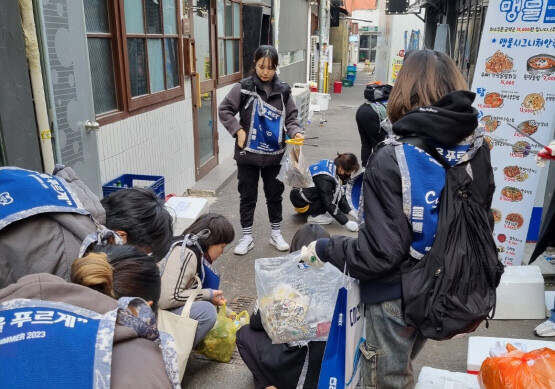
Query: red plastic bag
{"x": 519, "y": 370}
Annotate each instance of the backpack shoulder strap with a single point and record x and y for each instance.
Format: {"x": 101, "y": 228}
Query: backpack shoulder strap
{"x": 247, "y": 84}
{"x": 286, "y": 93}
{"x": 422, "y": 144}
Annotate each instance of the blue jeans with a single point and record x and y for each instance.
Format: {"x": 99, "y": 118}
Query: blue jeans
{"x": 552, "y": 316}
{"x": 389, "y": 348}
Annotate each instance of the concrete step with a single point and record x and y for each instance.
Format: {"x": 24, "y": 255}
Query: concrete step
{"x": 212, "y": 183}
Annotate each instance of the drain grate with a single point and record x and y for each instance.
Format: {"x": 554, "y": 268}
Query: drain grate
{"x": 240, "y": 303}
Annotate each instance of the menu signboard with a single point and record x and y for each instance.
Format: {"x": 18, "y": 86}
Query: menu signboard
{"x": 515, "y": 85}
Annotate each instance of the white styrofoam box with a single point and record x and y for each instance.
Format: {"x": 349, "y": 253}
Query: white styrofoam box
{"x": 430, "y": 378}
{"x": 299, "y": 88}
{"x": 479, "y": 346}
{"x": 520, "y": 294}
{"x": 549, "y": 301}
{"x": 320, "y": 99}
{"x": 185, "y": 211}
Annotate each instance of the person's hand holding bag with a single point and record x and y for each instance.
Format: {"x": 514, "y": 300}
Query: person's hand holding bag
{"x": 309, "y": 256}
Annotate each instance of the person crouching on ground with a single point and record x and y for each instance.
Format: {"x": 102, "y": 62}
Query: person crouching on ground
{"x": 266, "y": 112}
{"x": 280, "y": 365}
{"x": 327, "y": 194}
{"x": 205, "y": 240}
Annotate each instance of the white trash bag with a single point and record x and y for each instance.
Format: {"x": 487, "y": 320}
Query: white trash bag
{"x": 294, "y": 168}
{"x": 296, "y": 302}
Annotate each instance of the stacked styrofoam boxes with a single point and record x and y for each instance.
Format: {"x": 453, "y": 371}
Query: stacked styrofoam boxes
{"x": 301, "y": 96}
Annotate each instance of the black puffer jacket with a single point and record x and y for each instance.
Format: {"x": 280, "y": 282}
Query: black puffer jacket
{"x": 324, "y": 190}
{"x": 384, "y": 239}
{"x": 230, "y": 106}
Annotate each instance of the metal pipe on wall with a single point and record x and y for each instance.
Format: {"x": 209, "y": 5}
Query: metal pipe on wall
{"x": 37, "y": 86}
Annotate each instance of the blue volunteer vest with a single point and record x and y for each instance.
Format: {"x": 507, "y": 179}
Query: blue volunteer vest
{"x": 24, "y": 193}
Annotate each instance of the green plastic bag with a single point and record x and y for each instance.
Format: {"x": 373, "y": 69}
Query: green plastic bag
{"x": 219, "y": 343}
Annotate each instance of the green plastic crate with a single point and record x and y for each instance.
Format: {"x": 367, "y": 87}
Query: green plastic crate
{"x": 346, "y": 82}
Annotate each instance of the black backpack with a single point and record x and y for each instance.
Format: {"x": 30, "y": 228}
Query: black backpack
{"x": 451, "y": 290}
{"x": 248, "y": 84}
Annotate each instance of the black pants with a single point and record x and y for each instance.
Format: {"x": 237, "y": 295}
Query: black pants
{"x": 248, "y": 192}
{"x": 315, "y": 208}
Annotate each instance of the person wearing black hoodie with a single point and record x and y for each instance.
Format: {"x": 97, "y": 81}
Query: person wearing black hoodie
{"x": 369, "y": 117}
{"x": 430, "y": 100}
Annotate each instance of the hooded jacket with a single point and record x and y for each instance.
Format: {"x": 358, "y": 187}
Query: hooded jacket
{"x": 384, "y": 239}
{"x": 136, "y": 362}
{"x": 230, "y": 106}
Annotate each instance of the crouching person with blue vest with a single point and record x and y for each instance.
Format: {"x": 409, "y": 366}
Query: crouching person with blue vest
{"x": 266, "y": 115}
{"x": 327, "y": 194}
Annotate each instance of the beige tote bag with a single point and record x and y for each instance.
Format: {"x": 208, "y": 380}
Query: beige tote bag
{"x": 182, "y": 328}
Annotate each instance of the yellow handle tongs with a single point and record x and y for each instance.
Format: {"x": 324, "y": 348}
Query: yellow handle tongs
{"x": 300, "y": 142}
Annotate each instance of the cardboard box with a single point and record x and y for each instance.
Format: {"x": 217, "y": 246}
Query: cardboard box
{"x": 185, "y": 211}
{"x": 479, "y": 346}
{"x": 521, "y": 294}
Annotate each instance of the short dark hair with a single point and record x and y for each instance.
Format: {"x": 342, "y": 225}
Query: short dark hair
{"x": 267, "y": 51}
{"x": 221, "y": 230}
{"x": 347, "y": 161}
{"x": 119, "y": 271}
{"x": 306, "y": 234}
{"x": 143, "y": 216}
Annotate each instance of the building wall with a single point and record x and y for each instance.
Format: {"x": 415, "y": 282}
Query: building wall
{"x": 292, "y": 35}
{"x": 18, "y": 128}
{"x": 339, "y": 39}
{"x": 158, "y": 142}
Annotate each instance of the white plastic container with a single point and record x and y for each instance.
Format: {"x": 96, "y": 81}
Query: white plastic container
{"x": 185, "y": 211}
{"x": 320, "y": 99}
{"x": 521, "y": 294}
{"x": 479, "y": 346}
{"x": 430, "y": 378}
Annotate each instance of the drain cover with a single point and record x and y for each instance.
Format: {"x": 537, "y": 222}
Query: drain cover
{"x": 240, "y": 303}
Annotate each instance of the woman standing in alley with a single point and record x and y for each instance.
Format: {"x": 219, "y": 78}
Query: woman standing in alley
{"x": 266, "y": 115}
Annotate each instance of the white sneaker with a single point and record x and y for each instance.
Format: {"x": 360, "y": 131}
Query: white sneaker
{"x": 547, "y": 328}
{"x": 278, "y": 241}
{"x": 245, "y": 245}
{"x": 320, "y": 219}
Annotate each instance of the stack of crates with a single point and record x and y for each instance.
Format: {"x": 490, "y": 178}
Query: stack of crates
{"x": 351, "y": 73}
{"x": 301, "y": 96}
{"x": 349, "y": 80}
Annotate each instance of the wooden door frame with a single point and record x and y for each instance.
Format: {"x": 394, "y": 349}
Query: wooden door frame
{"x": 205, "y": 86}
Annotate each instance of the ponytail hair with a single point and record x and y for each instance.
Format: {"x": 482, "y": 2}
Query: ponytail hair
{"x": 94, "y": 271}
{"x": 119, "y": 271}
{"x": 347, "y": 162}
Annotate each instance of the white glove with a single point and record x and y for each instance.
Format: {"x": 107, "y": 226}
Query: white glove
{"x": 352, "y": 226}
{"x": 354, "y": 214}
{"x": 309, "y": 256}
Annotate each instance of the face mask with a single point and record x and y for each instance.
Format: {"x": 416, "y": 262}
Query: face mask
{"x": 344, "y": 177}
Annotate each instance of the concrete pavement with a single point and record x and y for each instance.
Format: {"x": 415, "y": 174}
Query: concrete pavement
{"x": 338, "y": 134}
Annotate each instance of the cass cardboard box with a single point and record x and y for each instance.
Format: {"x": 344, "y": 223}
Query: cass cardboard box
{"x": 479, "y": 348}
{"x": 430, "y": 378}
{"x": 185, "y": 210}
{"x": 520, "y": 294}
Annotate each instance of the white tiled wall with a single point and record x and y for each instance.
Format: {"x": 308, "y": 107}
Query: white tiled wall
{"x": 158, "y": 142}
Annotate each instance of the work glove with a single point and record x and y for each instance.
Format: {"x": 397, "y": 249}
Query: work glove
{"x": 309, "y": 256}
{"x": 545, "y": 154}
{"x": 354, "y": 214}
{"x": 352, "y": 226}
